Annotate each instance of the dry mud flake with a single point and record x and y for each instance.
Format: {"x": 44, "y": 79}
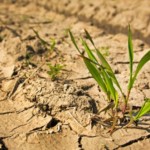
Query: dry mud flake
{"x": 64, "y": 140}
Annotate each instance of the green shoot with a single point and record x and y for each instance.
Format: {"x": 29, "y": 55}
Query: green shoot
{"x": 74, "y": 42}
{"x": 104, "y": 63}
{"x": 145, "y": 109}
{"x": 130, "y": 51}
{"x": 95, "y": 73}
{"x": 52, "y": 44}
{"x": 43, "y": 42}
{"x": 54, "y": 71}
{"x": 102, "y": 72}
{"x": 142, "y": 62}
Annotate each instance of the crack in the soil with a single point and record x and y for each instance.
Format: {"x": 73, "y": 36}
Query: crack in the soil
{"x": 133, "y": 141}
{"x": 125, "y": 62}
{"x": 7, "y": 112}
{"x": 18, "y": 127}
{"x": 79, "y": 143}
{"x": 19, "y": 111}
{"x": 24, "y": 109}
{"x": 82, "y": 78}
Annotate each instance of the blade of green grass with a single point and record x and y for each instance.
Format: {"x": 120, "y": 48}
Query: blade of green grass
{"x": 144, "y": 109}
{"x": 89, "y": 37}
{"x": 101, "y": 57}
{"x": 110, "y": 86}
{"x": 104, "y": 63}
{"x": 95, "y": 74}
{"x": 103, "y": 60}
{"x": 109, "y": 70}
{"x": 89, "y": 51}
{"x": 142, "y": 62}
{"x": 93, "y": 62}
{"x": 53, "y": 43}
{"x": 42, "y": 40}
{"x": 73, "y": 40}
{"x": 130, "y": 50}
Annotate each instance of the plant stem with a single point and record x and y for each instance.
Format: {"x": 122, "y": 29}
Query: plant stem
{"x": 127, "y": 98}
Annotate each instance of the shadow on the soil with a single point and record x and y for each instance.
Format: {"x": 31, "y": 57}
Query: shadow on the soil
{"x": 2, "y": 145}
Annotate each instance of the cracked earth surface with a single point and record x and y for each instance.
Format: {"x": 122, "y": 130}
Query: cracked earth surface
{"x": 38, "y": 113}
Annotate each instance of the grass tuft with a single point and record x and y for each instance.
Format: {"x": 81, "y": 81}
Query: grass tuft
{"x": 102, "y": 72}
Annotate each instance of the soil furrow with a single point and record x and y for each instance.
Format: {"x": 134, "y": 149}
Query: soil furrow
{"x": 105, "y": 25}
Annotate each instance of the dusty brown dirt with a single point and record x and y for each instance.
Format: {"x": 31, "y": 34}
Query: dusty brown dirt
{"x": 38, "y": 113}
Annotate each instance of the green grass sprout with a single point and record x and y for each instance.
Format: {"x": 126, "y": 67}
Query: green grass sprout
{"x": 54, "y": 70}
{"x": 52, "y": 44}
{"x": 47, "y": 45}
{"x": 44, "y": 43}
{"x": 141, "y": 63}
{"x": 102, "y": 72}
{"x": 144, "y": 109}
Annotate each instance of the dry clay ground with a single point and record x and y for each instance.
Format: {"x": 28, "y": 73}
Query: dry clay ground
{"x": 38, "y": 113}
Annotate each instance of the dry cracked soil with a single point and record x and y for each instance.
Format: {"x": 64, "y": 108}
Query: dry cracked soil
{"x": 38, "y": 113}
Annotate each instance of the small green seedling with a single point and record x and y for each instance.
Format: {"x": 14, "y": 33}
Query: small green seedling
{"x": 145, "y": 109}
{"x": 54, "y": 70}
{"x": 47, "y": 45}
{"x": 52, "y": 45}
{"x": 43, "y": 42}
{"x": 102, "y": 72}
